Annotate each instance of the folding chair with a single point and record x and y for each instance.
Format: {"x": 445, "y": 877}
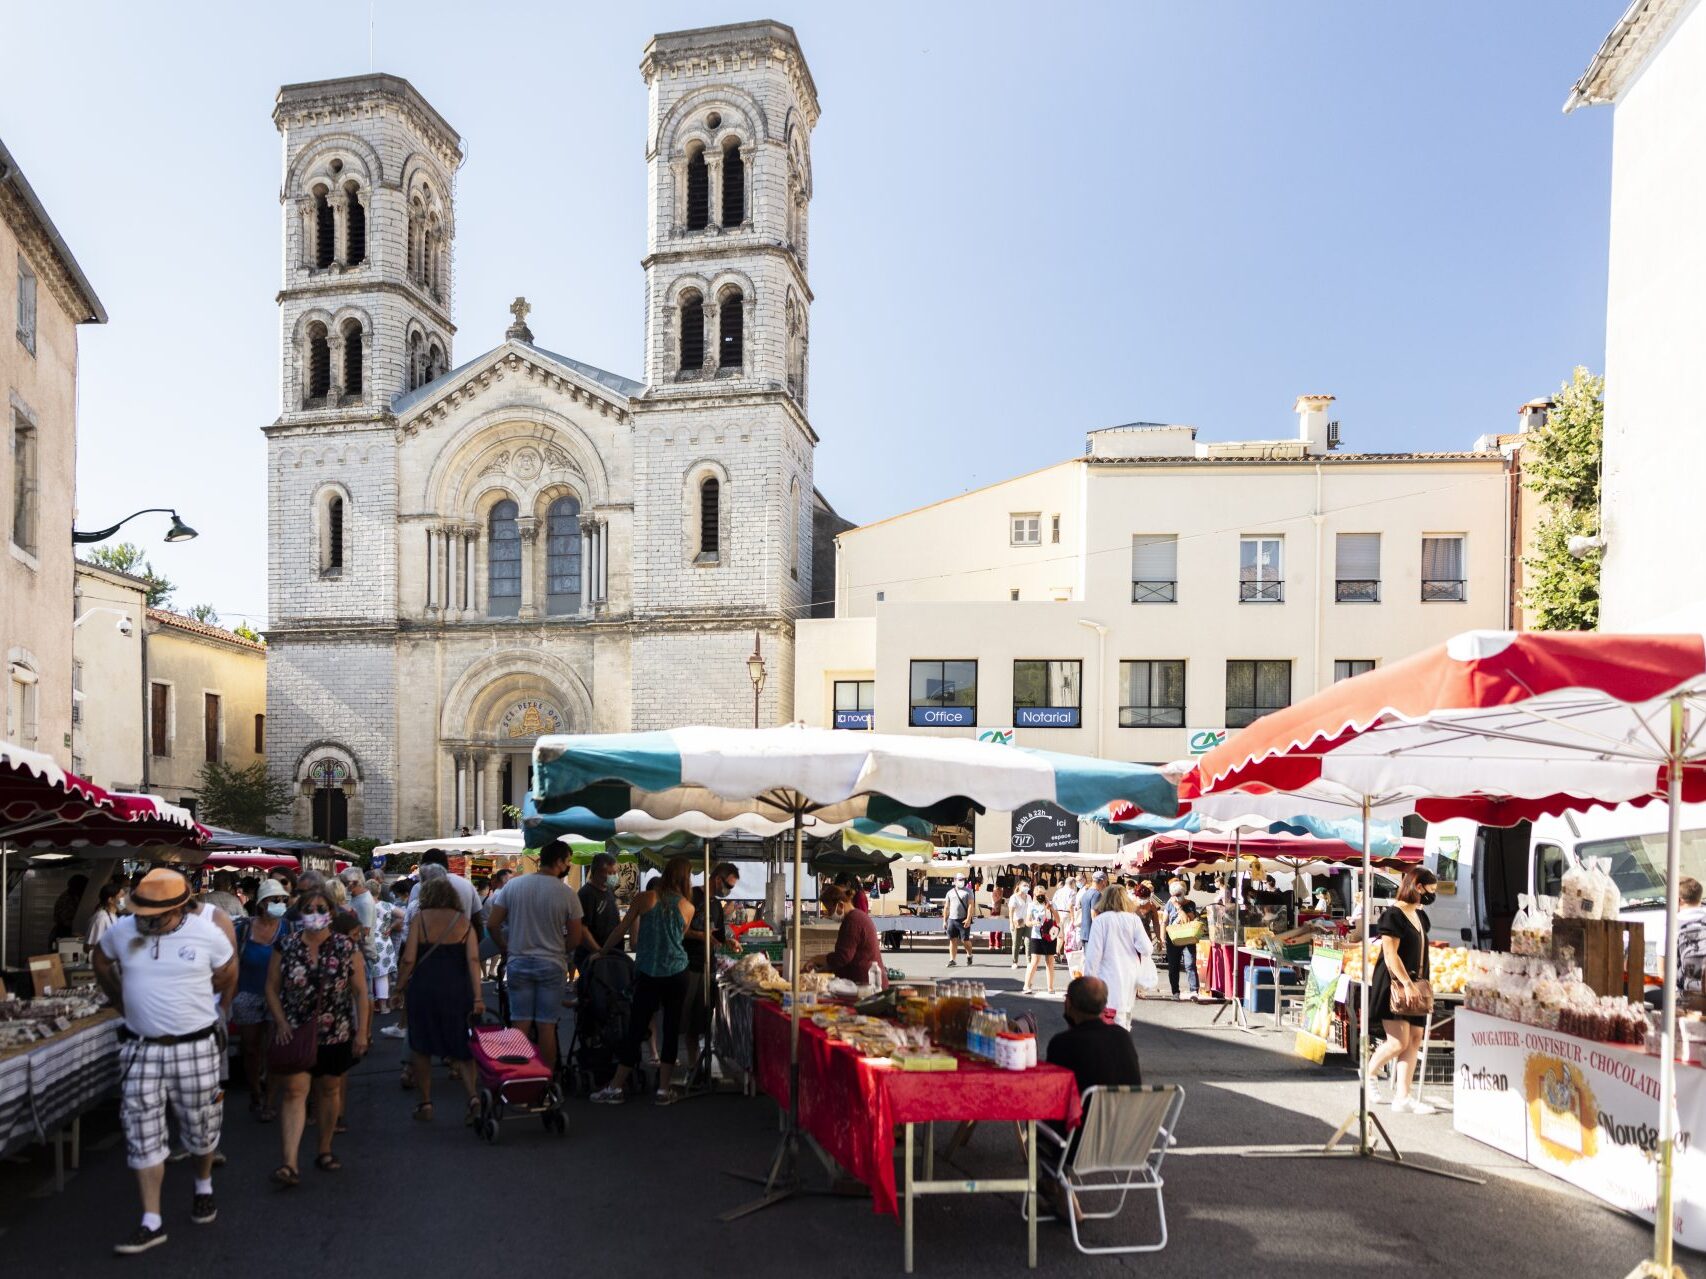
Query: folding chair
{"x": 1118, "y": 1149}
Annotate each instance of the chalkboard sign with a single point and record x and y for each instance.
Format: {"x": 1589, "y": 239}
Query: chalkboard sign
{"x": 1044, "y": 828}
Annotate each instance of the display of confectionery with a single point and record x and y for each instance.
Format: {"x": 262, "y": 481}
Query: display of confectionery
{"x": 1540, "y": 992}
{"x": 28, "y": 1021}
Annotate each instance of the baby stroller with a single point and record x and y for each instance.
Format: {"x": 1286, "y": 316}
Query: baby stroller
{"x": 604, "y": 998}
{"x": 512, "y": 1074}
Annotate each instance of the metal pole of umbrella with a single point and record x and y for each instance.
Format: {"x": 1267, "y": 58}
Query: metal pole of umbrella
{"x": 1663, "y": 1263}
{"x": 1361, "y": 1116}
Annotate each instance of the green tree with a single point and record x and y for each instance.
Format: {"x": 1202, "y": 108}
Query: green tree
{"x": 245, "y": 631}
{"x": 1561, "y": 466}
{"x": 127, "y": 557}
{"x": 241, "y": 798}
{"x": 205, "y": 613}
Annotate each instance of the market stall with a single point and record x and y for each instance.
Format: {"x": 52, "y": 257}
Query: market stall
{"x": 58, "y": 1059}
{"x": 858, "y": 1085}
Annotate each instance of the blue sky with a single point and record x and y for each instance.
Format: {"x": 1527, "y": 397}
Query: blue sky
{"x": 1029, "y": 221}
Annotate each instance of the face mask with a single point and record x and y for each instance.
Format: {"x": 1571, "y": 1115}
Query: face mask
{"x": 274, "y": 908}
{"x": 1429, "y": 897}
{"x": 314, "y": 921}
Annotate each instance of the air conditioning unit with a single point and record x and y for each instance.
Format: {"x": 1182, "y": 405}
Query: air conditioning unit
{"x": 1332, "y": 435}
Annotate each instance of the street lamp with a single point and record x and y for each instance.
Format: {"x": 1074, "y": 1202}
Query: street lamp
{"x": 179, "y": 532}
{"x": 755, "y": 671}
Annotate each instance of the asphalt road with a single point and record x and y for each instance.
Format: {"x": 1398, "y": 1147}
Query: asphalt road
{"x": 636, "y": 1190}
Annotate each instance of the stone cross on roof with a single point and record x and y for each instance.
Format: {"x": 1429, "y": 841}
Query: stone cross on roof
{"x": 519, "y": 330}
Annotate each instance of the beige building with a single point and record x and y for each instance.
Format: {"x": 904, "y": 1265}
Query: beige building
{"x": 109, "y": 699}
{"x": 1139, "y": 600}
{"x": 1652, "y": 70}
{"x": 45, "y": 297}
{"x": 207, "y": 702}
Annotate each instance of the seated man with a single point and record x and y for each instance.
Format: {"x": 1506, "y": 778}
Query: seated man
{"x": 1096, "y": 1052}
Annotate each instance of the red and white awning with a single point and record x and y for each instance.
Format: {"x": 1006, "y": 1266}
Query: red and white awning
{"x": 43, "y": 805}
{"x": 1496, "y": 726}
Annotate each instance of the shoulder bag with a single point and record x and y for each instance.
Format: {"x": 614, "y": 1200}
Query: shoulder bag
{"x": 298, "y": 1053}
{"x": 1416, "y": 1000}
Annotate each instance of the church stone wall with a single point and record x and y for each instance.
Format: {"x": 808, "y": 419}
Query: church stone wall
{"x": 341, "y": 693}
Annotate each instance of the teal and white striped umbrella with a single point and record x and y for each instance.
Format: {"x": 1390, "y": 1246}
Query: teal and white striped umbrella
{"x": 784, "y": 773}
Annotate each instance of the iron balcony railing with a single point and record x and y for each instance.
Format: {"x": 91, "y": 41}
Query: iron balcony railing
{"x": 1152, "y": 717}
{"x": 1261, "y": 592}
{"x": 1359, "y": 590}
{"x": 1444, "y": 589}
{"x": 1155, "y": 592}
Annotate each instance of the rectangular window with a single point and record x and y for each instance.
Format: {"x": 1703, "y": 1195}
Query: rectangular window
{"x": 1346, "y": 668}
{"x": 25, "y": 484}
{"x": 1442, "y": 568}
{"x": 21, "y": 705}
{"x": 1152, "y": 694}
{"x": 1054, "y": 528}
{"x": 26, "y": 306}
{"x": 1155, "y": 568}
{"x": 1047, "y": 694}
{"x": 1255, "y": 688}
{"x": 260, "y": 734}
{"x": 855, "y": 703}
{"x": 159, "y": 719}
{"x": 944, "y": 694}
{"x": 1358, "y": 568}
{"x": 1027, "y": 530}
{"x": 1261, "y": 570}
{"x": 210, "y": 725}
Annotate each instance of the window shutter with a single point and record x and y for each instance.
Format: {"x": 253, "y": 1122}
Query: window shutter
{"x": 1155, "y": 557}
{"x": 1359, "y": 557}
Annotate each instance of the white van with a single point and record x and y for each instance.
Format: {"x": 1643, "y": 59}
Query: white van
{"x": 1482, "y": 868}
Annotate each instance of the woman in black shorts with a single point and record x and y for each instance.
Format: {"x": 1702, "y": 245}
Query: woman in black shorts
{"x": 316, "y": 973}
{"x": 1402, "y": 960}
{"x": 1045, "y": 934}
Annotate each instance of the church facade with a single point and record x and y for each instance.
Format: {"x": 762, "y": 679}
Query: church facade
{"x": 463, "y": 556}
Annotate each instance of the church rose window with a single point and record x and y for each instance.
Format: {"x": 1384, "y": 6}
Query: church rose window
{"x": 563, "y": 556}
{"x": 504, "y": 563}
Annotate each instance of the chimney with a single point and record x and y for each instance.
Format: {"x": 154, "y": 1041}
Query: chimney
{"x": 1532, "y": 416}
{"x": 1312, "y": 422}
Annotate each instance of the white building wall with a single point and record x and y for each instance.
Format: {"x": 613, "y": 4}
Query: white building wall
{"x": 1655, "y": 332}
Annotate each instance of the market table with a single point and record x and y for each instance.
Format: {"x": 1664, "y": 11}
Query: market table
{"x": 1226, "y": 965}
{"x": 48, "y": 1085}
{"x": 850, "y": 1105}
{"x": 1587, "y": 1112}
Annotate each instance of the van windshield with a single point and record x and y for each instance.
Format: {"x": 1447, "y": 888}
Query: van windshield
{"x": 1638, "y": 863}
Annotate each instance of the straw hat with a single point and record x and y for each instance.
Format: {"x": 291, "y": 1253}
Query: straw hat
{"x": 161, "y": 890}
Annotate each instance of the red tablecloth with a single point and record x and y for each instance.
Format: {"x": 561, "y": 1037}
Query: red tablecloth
{"x": 1225, "y": 977}
{"x": 851, "y": 1104}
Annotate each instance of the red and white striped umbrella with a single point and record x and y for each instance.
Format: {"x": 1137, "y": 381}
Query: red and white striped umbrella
{"x": 1502, "y": 727}
{"x": 1496, "y": 726}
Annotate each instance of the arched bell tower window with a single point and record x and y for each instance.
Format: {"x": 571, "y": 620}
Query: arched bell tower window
{"x": 352, "y": 358}
{"x": 324, "y": 232}
{"x": 355, "y": 215}
{"x": 319, "y": 380}
{"x": 698, "y": 191}
{"x": 503, "y": 562}
{"x": 734, "y": 185}
{"x": 692, "y": 332}
{"x": 417, "y": 361}
{"x": 731, "y": 345}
